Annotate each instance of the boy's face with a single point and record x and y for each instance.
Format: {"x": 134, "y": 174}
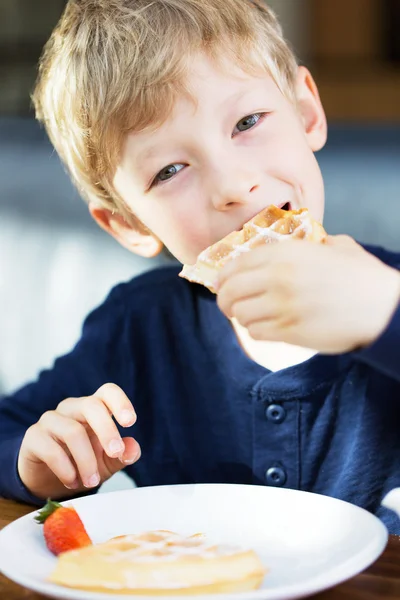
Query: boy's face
{"x": 216, "y": 163}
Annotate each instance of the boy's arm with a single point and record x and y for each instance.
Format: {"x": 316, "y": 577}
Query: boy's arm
{"x": 95, "y": 360}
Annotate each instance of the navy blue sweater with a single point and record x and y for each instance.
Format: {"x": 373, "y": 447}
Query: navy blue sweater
{"x": 208, "y": 413}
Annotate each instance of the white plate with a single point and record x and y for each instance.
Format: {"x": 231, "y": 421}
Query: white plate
{"x": 307, "y": 541}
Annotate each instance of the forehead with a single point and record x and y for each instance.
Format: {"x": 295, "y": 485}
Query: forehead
{"x": 219, "y": 77}
{"x": 209, "y": 88}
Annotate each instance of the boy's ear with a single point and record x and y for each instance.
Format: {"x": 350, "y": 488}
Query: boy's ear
{"x": 311, "y": 109}
{"x": 139, "y": 242}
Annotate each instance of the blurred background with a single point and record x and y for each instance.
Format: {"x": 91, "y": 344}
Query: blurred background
{"x": 56, "y": 265}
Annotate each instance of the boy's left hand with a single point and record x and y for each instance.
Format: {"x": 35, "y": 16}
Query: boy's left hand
{"x": 333, "y": 297}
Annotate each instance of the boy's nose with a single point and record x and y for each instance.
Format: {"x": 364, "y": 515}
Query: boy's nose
{"x": 230, "y": 191}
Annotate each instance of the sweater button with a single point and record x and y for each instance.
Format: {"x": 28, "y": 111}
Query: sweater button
{"x": 275, "y": 413}
{"x": 276, "y": 476}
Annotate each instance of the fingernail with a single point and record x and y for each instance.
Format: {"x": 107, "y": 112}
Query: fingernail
{"x": 72, "y": 486}
{"x": 116, "y": 446}
{"x": 127, "y": 417}
{"x": 93, "y": 480}
{"x": 130, "y": 461}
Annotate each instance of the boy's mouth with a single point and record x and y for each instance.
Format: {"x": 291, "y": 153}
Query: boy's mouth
{"x": 283, "y": 206}
{"x": 286, "y": 206}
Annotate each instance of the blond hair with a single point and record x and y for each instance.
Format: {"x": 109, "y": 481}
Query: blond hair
{"x": 114, "y": 66}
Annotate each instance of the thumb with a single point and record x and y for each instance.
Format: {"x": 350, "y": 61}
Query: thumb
{"x": 111, "y": 466}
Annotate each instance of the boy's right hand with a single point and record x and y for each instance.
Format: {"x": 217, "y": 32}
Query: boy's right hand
{"x": 78, "y": 445}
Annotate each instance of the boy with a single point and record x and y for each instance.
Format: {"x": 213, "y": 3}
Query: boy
{"x": 179, "y": 120}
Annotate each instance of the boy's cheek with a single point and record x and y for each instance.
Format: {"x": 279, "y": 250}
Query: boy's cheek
{"x": 180, "y": 233}
{"x": 189, "y": 239}
{"x": 185, "y": 246}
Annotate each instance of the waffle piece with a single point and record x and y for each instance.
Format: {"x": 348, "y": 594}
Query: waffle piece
{"x": 272, "y": 224}
{"x": 159, "y": 563}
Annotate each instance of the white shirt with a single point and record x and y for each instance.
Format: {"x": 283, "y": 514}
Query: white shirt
{"x": 271, "y": 355}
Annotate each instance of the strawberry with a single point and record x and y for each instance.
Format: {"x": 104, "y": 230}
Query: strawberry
{"x": 62, "y": 528}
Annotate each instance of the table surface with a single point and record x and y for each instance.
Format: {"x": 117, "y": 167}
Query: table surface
{"x": 381, "y": 580}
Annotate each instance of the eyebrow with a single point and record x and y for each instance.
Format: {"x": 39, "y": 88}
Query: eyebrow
{"x": 234, "y": 97}
{"x": 146, "y": 154}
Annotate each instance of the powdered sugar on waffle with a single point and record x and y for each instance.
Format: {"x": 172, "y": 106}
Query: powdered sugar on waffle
{"x": 164, "y": 546}
{"x": 270, "y": 235}
{"x": 295, "y": 224}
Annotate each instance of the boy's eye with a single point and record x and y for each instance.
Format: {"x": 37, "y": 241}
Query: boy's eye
{"x": 167, "y": 173}
{"x": 247, "y": 122}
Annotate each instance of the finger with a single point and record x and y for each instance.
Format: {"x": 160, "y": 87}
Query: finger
{"x": 266, "y": 331}
{"x": 75, "y": 437}
{"x": 118, "y": 403}
{"x": 112, "y": 396}
{"x": 244, "y": 262}
{"x": 253, "y": 310}
{"x": 132, "y": 451}
{"x": 94, "y": 412}
{"x": 110, "y": 466}
{"x": 44, "y": 447}
{"x": 130, "y": 455}
{"x": 261, "y": 256}
{"x": 283, "y": 328}
{"x": 241, "y": 286}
